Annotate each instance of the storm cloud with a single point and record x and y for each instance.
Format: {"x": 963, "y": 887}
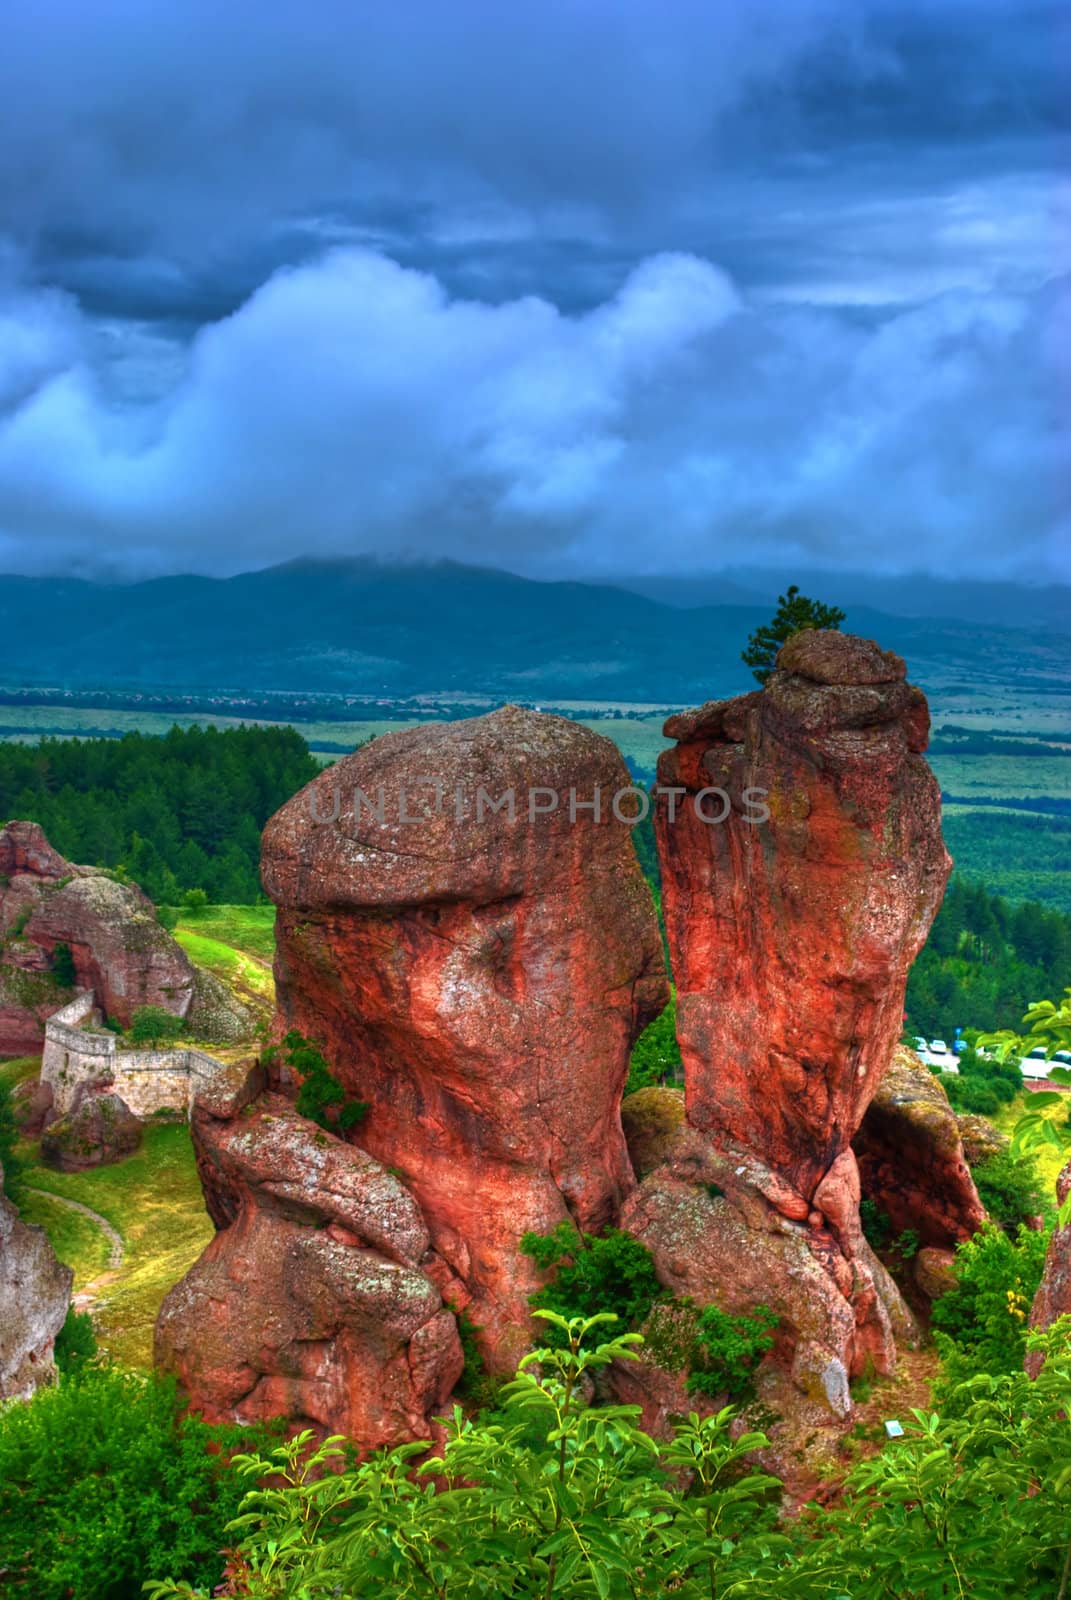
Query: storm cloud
{"x": 571, "y": 287}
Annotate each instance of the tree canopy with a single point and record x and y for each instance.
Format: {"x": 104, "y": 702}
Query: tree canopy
{"x": 795, "y": 613}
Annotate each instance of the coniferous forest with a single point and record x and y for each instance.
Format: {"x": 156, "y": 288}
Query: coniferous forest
{"x": 176, "y": 813}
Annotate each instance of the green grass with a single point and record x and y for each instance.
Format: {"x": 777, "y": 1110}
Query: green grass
{"x": 76, "y": 1240}
{"x": 154, "y": 1200}
{"x": 249, "y": 930}
{"x": 18, "y": 1069}
{"x": 240, "y": 972}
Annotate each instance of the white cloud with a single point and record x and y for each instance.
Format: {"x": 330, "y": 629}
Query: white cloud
{"x": 352, "y": 405}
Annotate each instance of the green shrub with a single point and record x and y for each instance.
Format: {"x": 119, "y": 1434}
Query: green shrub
{"x": 167, "y": 917}
{"x": 76, "y": 1342}
{"x": 154, "y": 1025}
{"x": 475, "y": 1384}
{"x": 728, "y": 1349}
{"x": 104, "y": 1485}
{"x": 877, "y": 1224}
{"x": 981, "y": 1324}
{"x": 1010, "y": 1189}
{"x": 194, "y": 900}
{"x": 550, "y": 1497}
{"x": 877, "y": 1230}
{"x": 320, "y": 1097}
{"x": 592, "y": 1273}
{"x": 63, "y": 969}
{"x": 656, "y": 1055}
{"x": 973, "y": 1503}
{"x": 967, "y": 1094}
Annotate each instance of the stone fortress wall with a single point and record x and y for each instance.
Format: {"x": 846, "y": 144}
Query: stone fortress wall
{"x": 79, "y": 1052}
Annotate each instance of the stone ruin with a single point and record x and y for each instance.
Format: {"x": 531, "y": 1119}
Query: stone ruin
{"x": 479, "y": 974}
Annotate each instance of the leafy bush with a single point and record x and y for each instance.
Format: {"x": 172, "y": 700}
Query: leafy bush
{"x": 981, "y": 1324}
{"x": 656, "y": 1055}
{"x": 877, "y": 1230}
{"x": 1010, "y": 1189}
{"x": 974, "y": 1503}
{"x": 9, "y": 1138}
{"x": 583, "y": 1505}
{"x": 608, "y": 1272}
{"x": 586, "y": 1505}
{"x": 167, "y": 917}
{"x": 967, "y": 1094}
{"x": 195, "y": 900}
{"x": 321, "y": 1097}
{"x": 103, "y": 1485}
{"x": 877, "y": 1224}
{"x": 729, "y": 1349}
{"x": 76, "y": 1342}
{"x": 475, "y": 1383}
{"x": 154, "y": 1025}
{"x": 63, "y": 969}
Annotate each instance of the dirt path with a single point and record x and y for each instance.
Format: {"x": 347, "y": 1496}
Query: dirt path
{"x": 88, "y": 1295}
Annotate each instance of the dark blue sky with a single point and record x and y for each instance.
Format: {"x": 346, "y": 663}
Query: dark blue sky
{"x": 570, "y": 286}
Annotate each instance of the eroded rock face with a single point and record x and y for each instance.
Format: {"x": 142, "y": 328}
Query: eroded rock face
{"x": 791, "y": 938}
{"x": 479, "y": 979}
{"x": 119, "y": 949}
{"x": 35, "y": 1291}
{"x": 314, "y": 1300}
{"x": 716, "y": 1225}
{"x": 1053, "y": 1298}
{"x": 98, "y": 1129}
{"x": 802, "y": 863}
{"x": 912, "y": 1160}
{"x": 981, "y": 1141}
{"x": 31, "y": 1106}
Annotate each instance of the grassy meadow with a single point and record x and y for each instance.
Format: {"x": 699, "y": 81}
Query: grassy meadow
{"x": 236, "y": 943}
{"x": 153, "y": 1200}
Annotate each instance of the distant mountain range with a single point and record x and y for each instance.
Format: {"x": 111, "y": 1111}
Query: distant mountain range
{"x": 1006, "y": 605}
{"x": 363, "y": 626}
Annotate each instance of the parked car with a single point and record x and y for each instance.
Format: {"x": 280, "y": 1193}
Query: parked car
{"x": 1038, "y": 1054}
{"x": 919, "y": 1045}
{"x": 938, "y": 1047}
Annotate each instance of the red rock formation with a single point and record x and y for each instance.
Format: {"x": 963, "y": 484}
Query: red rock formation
{"x": 31, "y": 1106}
{"x": 478, "y": 978}
{"x": 119, "y": 949}
{"x": 35, "y": 1291}
{"x": 314, "y": 1300}
{"x": 802, "y": 863}
{"x": 98, "y": 1129}
{"x": 791, "y": 938}
{"x": 25, "y": 850}
{"x": 716, "y": 1224}
{"x": 1053, "y": 1298}
{"x": 911, "y": 1157}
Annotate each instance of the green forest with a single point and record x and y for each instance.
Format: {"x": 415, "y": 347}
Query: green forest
{"x": 985, "y": 962}
{"x": 178, "y": 812}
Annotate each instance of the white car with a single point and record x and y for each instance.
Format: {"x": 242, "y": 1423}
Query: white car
{"x": 938, "y": 1047}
